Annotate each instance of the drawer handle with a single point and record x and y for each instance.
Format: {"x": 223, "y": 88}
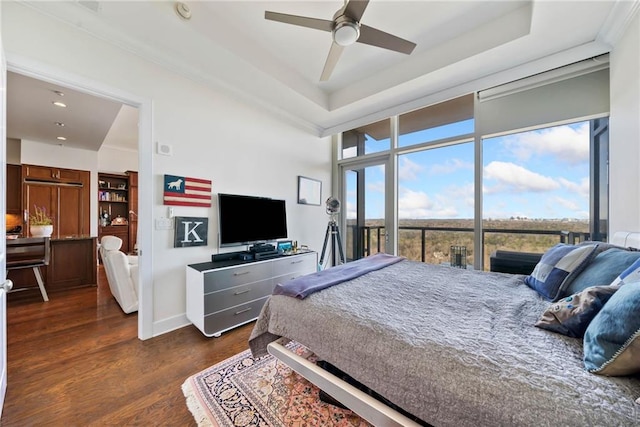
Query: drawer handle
{"x": 297, "y": 262}
{"x": 241, "y": 273}
{"x": 241, "y": 292}
{"x": 243, "y": 311}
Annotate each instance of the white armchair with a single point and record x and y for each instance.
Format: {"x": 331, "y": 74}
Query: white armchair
{"x": 122, "y": 273}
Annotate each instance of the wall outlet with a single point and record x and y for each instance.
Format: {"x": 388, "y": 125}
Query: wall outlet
{"x": 164, "y": 224}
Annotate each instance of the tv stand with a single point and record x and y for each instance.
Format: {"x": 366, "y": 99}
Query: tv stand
{"x": 225, "y": 294}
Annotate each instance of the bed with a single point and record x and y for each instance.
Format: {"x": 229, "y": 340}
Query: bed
{"x": 452, "y": 347}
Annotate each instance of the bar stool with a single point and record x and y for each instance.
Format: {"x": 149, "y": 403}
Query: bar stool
{"x": 31, "y": 252}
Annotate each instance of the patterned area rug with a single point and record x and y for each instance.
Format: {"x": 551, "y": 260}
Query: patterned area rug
{"x": 243, "y": 391}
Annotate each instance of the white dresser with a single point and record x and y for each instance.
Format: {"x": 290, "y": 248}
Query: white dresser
{"x": 222, "y": 295}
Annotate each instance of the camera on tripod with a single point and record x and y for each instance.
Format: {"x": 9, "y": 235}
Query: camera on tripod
{"x": 333, "y": 233}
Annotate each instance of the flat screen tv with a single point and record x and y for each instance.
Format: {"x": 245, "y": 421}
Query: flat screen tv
{"x": 249, "y": 219}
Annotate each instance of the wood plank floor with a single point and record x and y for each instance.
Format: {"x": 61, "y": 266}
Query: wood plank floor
{"x": 77, "y": 361}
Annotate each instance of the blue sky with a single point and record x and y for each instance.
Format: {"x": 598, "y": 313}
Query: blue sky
{"x": 536, "y": 174}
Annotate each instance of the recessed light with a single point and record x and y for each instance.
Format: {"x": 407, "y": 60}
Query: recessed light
{"x": 59, "y": 104}
{"x": 57, "y": 92}
{"x": 59, "y": 124}
{"x": 61, "y": 138}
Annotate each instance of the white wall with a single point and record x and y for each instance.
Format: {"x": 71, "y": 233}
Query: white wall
{"x": 215, "y": 137}
{"x": 13, "y": 151}
{"x": 624, "y": 164}
{"x": 117, "y": 160}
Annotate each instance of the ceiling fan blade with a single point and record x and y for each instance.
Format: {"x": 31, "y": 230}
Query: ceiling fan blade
{"x": 302, "y": 21}
{"x": 332, "y": 60}
{"x": 375, "y": 37}
{"x": 355, "y": 8}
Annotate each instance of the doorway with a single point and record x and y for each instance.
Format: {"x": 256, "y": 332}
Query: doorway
{"x": 143, "y": 155}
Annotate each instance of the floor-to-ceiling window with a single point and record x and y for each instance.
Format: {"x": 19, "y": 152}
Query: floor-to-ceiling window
{"x": 517, "y": 167}
{"x": 535, "y": 184}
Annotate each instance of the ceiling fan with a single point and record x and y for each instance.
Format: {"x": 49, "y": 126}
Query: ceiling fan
{"x": 346, "y": 30}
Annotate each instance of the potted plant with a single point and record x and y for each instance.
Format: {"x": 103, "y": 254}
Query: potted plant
{"x": 40, "y": 223}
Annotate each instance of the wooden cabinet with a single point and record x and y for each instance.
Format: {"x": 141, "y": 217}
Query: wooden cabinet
{"x": 133, "y": 210}
{"x": 72, "y": 264}
{"x": 227, "y": 294}
{"x": 66, "y": 202}
{"x": 14, "y": 189}
{"x": 52, "y": 174}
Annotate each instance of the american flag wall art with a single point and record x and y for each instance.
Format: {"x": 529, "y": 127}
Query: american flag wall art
{"x": 185, "y": 191}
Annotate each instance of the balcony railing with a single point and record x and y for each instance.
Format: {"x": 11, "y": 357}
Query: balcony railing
{"x": 374, "y": 235}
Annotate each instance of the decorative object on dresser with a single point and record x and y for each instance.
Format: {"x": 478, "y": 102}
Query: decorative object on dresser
{"x": 225, "y": 294}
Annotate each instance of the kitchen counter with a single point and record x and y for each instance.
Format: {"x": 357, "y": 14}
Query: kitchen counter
{"x": 72, "y": 264}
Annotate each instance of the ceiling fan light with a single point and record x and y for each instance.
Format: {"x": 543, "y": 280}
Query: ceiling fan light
{"x": 346, "y": 33}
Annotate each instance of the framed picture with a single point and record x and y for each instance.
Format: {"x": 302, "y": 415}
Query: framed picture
{"x": 309, "y": 191}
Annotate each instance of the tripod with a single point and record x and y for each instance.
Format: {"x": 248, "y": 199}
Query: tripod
{"x": 334, "y": 232}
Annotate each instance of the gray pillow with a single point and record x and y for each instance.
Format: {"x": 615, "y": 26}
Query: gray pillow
{"x": 571, "y": 315}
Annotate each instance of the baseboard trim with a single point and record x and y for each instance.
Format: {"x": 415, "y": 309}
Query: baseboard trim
{"x": 170, "y": 324}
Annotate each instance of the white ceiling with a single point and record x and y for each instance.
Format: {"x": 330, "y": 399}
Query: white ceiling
{"x": 87, "y": 122}
{"x": 461, "y": 46}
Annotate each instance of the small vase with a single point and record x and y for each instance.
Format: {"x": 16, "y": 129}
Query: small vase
{"x": 41, "y": 230}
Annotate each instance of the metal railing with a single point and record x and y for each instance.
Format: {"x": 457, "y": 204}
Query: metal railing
{"x": 367, "y": 232}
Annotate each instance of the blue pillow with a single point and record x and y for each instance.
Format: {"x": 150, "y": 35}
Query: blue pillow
{"x": 630, "y": 274}
{"x": 612, "y": 339}
{"x": 603, "y": 270}
{"x": 558, "y": 267}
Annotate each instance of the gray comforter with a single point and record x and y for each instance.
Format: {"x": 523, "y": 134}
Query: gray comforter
{"x": 454, "y": 347}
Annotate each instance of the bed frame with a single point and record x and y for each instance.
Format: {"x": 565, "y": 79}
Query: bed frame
{"x": 369, "y": 408}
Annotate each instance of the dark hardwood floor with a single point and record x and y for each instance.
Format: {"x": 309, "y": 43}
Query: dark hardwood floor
{"x": 77, "y": 361}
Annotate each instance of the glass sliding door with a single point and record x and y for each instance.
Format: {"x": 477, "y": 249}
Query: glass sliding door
{"x": 364, "y": 210}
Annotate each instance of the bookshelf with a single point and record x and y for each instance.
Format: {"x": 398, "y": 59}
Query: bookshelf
{"x": 113, "y": 207}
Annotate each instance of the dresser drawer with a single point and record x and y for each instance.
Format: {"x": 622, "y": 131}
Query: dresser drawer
{"x": 286, "y": 277}
{"x": 231, "y": 297}
{"x": 305, "y": 263}
{"x": 230, "y": 277}
{"x": 235, "y": 316}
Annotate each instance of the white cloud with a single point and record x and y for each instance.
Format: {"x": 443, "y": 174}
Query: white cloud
{"x": 560, "y": 207}
{"x": 409, "y": 170}
{"x": 451, "y": 166}
{"x": 376, "y": 187}
{"x": 581, "y": 188}
{"x": 570, "y": 145}
{"x": 565, "y": 203}
{"x": 417, "y": 204}
{"x": 513, "y": 178}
